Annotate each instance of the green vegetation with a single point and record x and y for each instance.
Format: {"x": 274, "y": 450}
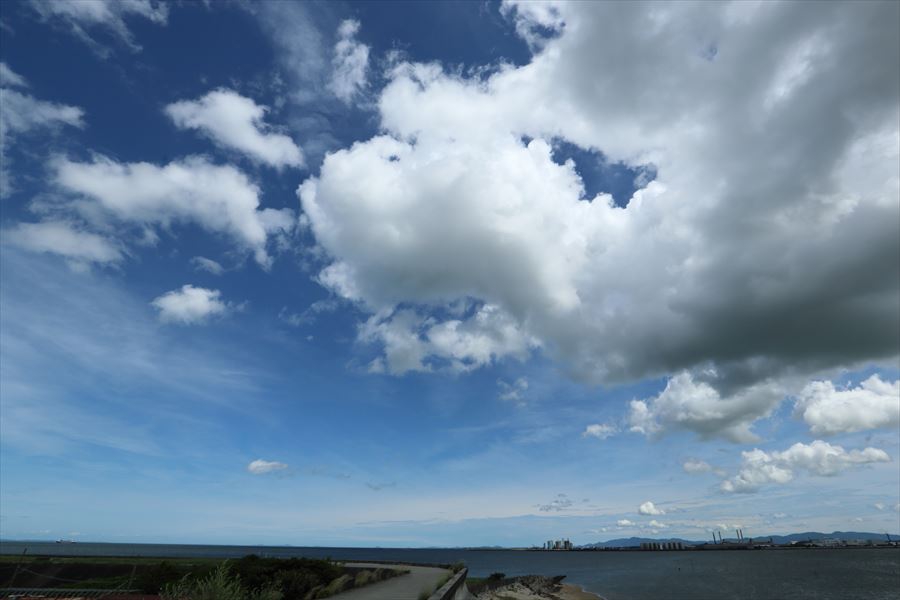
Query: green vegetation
{"x": 249, "y": 578}
{"x": 221, "y": 584}
{"x": 478, "y": 585}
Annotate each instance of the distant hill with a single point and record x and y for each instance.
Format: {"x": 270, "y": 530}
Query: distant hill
{"x": 776, "y": 539}
{"x": 836, "y": 535}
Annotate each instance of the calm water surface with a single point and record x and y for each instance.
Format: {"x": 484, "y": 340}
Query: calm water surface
{"x": 864, "y": 574}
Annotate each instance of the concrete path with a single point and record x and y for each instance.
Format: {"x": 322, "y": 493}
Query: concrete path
{"x": 402, "y": 587}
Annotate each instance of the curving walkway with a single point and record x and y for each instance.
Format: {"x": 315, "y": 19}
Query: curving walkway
{"x": 402, "y": 587}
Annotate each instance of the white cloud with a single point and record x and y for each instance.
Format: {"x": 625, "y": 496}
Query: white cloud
{"x": 81, "y": 15}
{"x": 64, "y": 239}
{"x": 648, "y": 508}
{"x": 624, "y": 523}
{"x": 415, "y": 343}
{"x": 818, "y": 458}
{"x": 599, "y": 430}
{"x": 220, "y": 199}
{"x": 21, "y": 113}
{"x": 462, "y": 196}
{"x": 697, "y": 406}
{"x": 190, "y": 305}
{"x": 235, "y": 122}
{"x": 310, "y": 314}
{"x": 696, "y": 466}
{"x": 298, "y": 40}
{"x": 534, "y": 20}
{"x": 827, "y": 410}
{"x": 350, "y": 63}
{"x": 261, "y": 467}
{"x": 9, "y": 78}
{"x": 880, "y": 505}
{"x": 656, "y": 524}
{"x": 201, "y": 263}
{"x": 513, "y": 392}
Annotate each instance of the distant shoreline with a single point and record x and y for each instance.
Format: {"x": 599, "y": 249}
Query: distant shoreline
{"x": 12, "y": 548}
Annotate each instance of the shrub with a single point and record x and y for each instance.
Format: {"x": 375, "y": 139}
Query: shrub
{"x": 265, "y": 594}
{"x": 152, "y": 580}
{"x": 342, "y": 583}
{"x": 218, "y": 585}
{"x": 221, "y": 584}
{"x": 497, "y": 576}
{"x": 296, "y": 584}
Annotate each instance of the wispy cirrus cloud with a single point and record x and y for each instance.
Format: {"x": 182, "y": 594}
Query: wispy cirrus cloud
{"x": 100, "y": 342}
{"x": 81, "y": 248}
{"x": 350, "y": 63}
{"x": 22, "y": 114}
{"x": 83, "y": 16}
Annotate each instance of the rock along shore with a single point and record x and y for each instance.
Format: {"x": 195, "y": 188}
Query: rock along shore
{"x": 535, "y": 587}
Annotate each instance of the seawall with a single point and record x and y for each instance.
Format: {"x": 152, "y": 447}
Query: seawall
{"x": 454, "y": 589}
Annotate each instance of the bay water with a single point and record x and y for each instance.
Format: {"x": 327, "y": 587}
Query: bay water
{"x": 787, "y": 574}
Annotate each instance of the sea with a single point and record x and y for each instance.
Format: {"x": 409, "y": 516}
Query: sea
{"x": 784, "y": 574}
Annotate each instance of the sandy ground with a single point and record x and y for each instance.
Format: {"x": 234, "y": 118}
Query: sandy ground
{"x": 573, "y": 592}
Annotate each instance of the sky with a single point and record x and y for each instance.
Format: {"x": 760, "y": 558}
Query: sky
{"x": 448, "y": 274}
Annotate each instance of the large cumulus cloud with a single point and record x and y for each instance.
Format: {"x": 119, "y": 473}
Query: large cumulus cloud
{"x": 766, "y": 246}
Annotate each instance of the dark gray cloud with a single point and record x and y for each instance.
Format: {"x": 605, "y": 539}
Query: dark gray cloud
{"x": 765, "y": 251}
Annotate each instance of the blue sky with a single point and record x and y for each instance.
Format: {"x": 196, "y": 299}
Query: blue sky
{"x": 432, "y": 274}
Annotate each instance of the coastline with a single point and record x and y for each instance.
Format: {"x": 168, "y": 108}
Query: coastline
{"x": 571, "y": 591}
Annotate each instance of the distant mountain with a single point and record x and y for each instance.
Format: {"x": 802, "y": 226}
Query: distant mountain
{"x": 776, "y": 539}
{"x": 835, "y": 535}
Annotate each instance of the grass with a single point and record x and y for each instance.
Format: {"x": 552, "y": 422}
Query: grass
{"x": 249, "y": 578}
{"x": 477, "y": 585}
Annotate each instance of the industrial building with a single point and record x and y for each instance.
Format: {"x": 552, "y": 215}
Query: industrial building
{"x": 558, "y": 545}
{"x": 662, "y": 546}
